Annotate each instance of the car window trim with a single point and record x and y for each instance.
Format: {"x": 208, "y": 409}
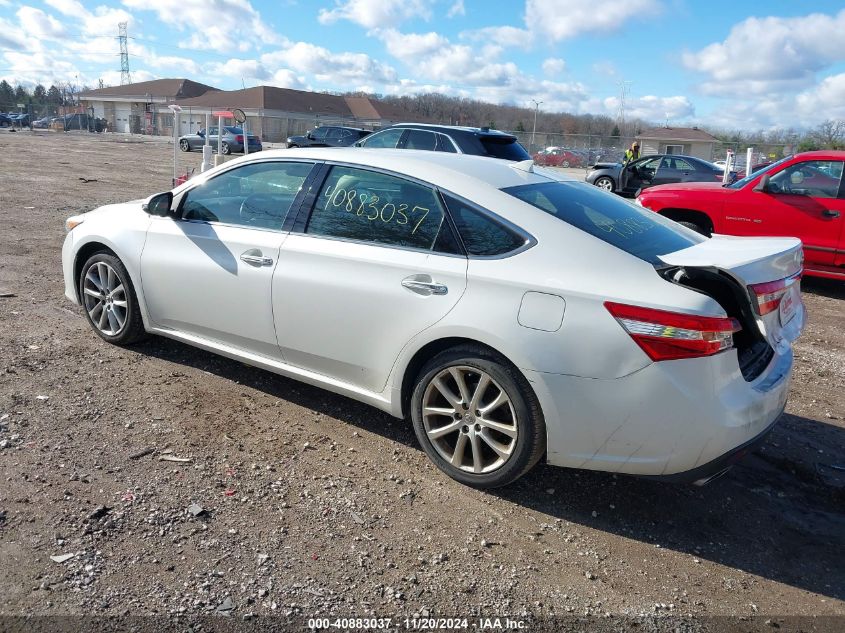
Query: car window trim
{"x": 306, "y": 210}
{"x": 297, "y": 200}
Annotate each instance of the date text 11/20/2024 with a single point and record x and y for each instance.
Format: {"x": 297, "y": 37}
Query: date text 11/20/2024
{"x": 417, "y": 624}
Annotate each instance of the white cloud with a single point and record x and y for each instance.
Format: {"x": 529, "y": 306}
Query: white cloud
{"x": 68, "y": 7}
{"x": 36, "y": 23}
{"x": 553, "y": 66}
{"x": 286, "y": 78}
{"x": 240, "y": 69}
{"x": 507, "y": 36}
{"x": 220, "y": 25}
{"x": 373, "y": 14}
{"x": 457, "y": 8}
{"x": 653, "y": 108}
{"x": 325, "y": 65}
{"x": 565, "y": 19}
{"x": 762, "y": 55}
{"x": 824, "y": 101}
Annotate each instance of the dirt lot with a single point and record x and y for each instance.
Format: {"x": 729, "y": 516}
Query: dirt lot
{"x": 314, "y": 504}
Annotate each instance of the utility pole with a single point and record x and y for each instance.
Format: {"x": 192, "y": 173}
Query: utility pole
{"x": 534, "y": 129}
{"x": 125, "y": 77}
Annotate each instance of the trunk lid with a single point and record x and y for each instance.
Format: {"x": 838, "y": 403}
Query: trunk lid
{"x": 757, "y": 281}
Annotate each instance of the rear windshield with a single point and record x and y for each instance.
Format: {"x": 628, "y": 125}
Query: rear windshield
{"x": 627, "y": 226}
{"x": 504, "y": 147}
{"x": 233, "y": 130}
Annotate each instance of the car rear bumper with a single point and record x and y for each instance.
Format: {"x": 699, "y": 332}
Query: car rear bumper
{"x": 669, "y": 418}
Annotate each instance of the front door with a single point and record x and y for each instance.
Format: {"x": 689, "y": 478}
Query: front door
{"x": 208, "y": 271}
{"x": 640, "y": 174}
{"x": 803, "y": 200}
{"x": 376, "y": 264}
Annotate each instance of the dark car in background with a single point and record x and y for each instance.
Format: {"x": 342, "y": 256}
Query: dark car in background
{"x": 648, "y": 171}
{"x": 328, "y": 136}
{"x": 232, "y": 140}
{"x": 5, "y": 120}
{"x": 481, "y": 141}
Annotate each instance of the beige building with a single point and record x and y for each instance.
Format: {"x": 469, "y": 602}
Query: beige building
{"x": 132, "y": 109}
{"x": 689, "y": 141}
{"x": 272, "y": 113}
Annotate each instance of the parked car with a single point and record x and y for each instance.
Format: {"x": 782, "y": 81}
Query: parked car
{"x": 42, "y": 123}
{"x": 328, "y": 136}
{"x": 481, "y": 141}
{"x": 20, "y": 119}
{"x": 453, "y": 290}
{"x": 557, "y": 157}
{"x": 649, "y": 171}
{"x": 799, "y": 196}
{"x": 5, "y": 120}
{"x": 82, "y": 121}
{"x": 232, "y": 140}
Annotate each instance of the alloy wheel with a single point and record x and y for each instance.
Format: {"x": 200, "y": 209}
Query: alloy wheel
{"x": 105, "y": 299}
{"x": 469, "y": 419}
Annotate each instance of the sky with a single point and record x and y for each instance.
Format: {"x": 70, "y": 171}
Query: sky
{"x": 749, "y": 65}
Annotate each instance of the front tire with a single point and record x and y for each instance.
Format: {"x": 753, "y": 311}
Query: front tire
{"x": 109, "y": 300}
{"x": 606, "y": 183}
{"x": 184, "y": 145}
{"x": 477, "y": 418}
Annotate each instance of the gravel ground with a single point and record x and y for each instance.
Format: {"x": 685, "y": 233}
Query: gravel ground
{"x": 161, "y": 479}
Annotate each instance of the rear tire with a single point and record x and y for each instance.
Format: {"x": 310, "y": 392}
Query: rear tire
{"x": 477, "y": 418}
{"x": 224, "y": 148}
{"x": 108, "y": 297}
{"x": 184, "y": 145}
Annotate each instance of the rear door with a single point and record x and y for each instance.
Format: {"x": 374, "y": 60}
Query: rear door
{"x": 804, "y": 199}
{"x": 374, "y": 264}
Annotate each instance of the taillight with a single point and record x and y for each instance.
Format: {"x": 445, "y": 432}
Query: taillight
{"x": 770, "y": 293}
{"x": 664, "y": 335}
{"x": 239, "y": 138}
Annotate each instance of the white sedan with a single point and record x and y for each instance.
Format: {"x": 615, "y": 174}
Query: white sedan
{"x": 511, "y": 315}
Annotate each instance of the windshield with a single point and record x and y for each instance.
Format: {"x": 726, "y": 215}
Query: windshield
{"x": 611, "y": 219}
{"x": 504, "y": 147}
{"x": 739, "y": 184}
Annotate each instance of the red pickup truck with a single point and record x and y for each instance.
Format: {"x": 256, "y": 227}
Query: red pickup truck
{"x": 800, "y": 196}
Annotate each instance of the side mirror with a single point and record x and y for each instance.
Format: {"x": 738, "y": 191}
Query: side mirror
{"x": 309, "y": 136}
{"x": 763, "y": 185}
{"x": 159, "y": 204}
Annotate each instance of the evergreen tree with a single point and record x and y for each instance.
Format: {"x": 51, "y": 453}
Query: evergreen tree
{"x": 40, "y": 94}
{"x": 7, "y": 96}
{"x": 21, "y": 95}
{"x": 54, "y": 95}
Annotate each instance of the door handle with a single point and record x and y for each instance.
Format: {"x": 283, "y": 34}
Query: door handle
{"x": 253, "y": 257}
{"x": 423, "y": 287}
{"x": 830, "y": 213}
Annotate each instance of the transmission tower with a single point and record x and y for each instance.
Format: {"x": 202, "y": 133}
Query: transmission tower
{"x": 620, "y": 116}
{"x": 125, "y": 77}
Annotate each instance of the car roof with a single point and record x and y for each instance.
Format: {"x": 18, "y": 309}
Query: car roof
{"x": 822, "y": 154}
{"x": 455, "y": 172}
{"x": 342, "y": 127}
{"x": 446, "y": 129}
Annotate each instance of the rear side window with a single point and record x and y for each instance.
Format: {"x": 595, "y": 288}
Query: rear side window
{"x": 445, "y": 144}
{"x": 481, "y": 234}
{"x": 503, "y": 147}
{"x": 639, "y": 232}
{"x": 419, "y": 139}
{"x": 369, "y": 206}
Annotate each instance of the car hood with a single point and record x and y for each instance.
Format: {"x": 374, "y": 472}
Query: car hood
{"x": 606, "y": 166}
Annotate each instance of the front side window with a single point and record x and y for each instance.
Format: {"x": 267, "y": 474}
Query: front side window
{"x": 369, "y": 206}
{"x": 387, "y": 138}
{"x": 481, "y": 234}
{"x": 816, "y": 178}
{"x": 626, "y": 226}
{"x": 334, "y": 134}
{"x": 256, "y": 195}
{"x": 319, "y": 133}
{"x": 445, "y": 144}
